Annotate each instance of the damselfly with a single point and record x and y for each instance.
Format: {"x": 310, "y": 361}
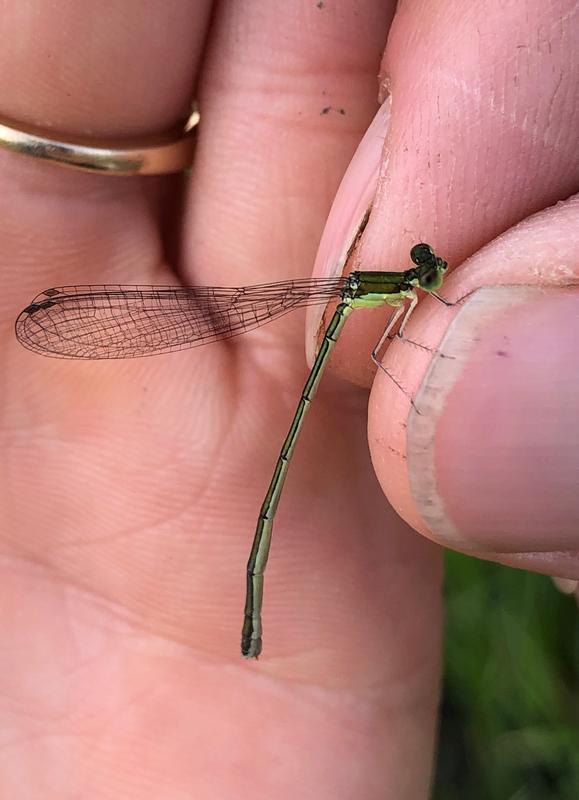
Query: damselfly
{"x": 96, "y": 322}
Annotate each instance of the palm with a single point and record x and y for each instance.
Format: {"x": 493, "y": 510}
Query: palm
{"x": 140, "y": 500}
{"x": 136, "y": 506}
{"x": 141, "y": 496}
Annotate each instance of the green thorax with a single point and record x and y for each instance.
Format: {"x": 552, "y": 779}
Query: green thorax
{"x": 368, "y": 289}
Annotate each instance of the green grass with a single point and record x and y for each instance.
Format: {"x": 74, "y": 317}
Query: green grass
{"x": 510, "y": 711}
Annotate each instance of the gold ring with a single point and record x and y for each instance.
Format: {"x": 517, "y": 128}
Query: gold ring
{"x": 154, "y": 155}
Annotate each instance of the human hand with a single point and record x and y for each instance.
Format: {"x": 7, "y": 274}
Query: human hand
{"x": 131, "y": 489}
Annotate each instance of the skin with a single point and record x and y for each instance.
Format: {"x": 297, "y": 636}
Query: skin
{"x": 129, "y": 490}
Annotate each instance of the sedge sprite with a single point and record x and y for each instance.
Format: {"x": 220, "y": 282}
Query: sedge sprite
{"x": 101, "y": 322}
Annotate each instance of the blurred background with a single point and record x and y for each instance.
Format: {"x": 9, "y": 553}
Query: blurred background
{"x": 510, "y": 713}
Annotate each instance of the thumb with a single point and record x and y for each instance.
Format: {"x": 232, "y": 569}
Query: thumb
{"x": 489, "y": 462}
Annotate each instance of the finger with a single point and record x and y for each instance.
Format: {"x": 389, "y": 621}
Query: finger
{"x": 268, "y": 163}
{"x": 491, "y": 464}
{"x": 482, "y": 133}
{"x": 281, "y": 120}
{"x": 106, "y": 74}
{"x": 127, "y": 72}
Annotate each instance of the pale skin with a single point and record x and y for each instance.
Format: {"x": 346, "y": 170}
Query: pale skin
{"x": 129, "y": 490}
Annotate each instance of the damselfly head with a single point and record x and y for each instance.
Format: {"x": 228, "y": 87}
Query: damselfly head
{"x": 423, "y": 255}
{"x": 431, "y": 279}
{"x": 430, "y": 268}
{"x": 352, "y": 284}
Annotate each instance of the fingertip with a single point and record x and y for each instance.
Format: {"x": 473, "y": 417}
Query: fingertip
{"x": 491, "y": 461}
{"x": 494, "y": 457}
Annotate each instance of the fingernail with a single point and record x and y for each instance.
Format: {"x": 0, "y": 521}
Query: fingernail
{"x": 566, "y": 585}
{"x": 349, "y": 210}
{"x": 494, "y": 454}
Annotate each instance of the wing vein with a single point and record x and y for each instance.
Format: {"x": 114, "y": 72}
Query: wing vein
{"x": 96, "y": 322}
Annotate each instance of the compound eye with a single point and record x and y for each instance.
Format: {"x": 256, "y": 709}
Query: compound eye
{"x": 422, "y": 254}
{"x": 431, "y": 280}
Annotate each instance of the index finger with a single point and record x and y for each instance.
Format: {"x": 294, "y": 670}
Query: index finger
{"x": 482, "y": 133}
